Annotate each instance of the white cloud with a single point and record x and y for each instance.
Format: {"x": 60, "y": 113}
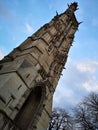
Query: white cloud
{"x": 1, "y": 54}
{"x": 50, "y": 6}
{"x": 29, "y": 28}
{"x": 89, "y": 66}
{"x": 91, "y": 85}
{"x": 78, "y": 80}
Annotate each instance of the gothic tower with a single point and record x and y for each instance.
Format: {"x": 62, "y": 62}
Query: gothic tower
{"x": 30, "y": 73}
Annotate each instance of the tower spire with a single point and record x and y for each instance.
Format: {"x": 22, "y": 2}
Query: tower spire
{"x": 73, "y": 6}
{"x": 30, "y": 73}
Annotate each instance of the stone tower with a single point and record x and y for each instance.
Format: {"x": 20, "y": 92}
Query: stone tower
{"x": 30, "y": 73}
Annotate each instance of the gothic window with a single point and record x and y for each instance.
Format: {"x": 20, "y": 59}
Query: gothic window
{"x": 29, "y": 109}
{"x": 36, "y": 52}
{"x": 47, "y": 37}
{"x": 1, "y": 66}
{"x": 50, "y": 48}
{"x": 58, "y": 26}
{"x": 52, "y": 30}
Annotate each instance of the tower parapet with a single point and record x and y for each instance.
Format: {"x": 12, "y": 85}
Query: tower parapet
{"x": 30, "y": 73}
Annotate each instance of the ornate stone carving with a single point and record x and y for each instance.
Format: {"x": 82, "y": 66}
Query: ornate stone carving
{"x": 30, "y": 78}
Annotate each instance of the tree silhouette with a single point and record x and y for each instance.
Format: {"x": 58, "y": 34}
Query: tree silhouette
{"x": 86, "y": 113}
{"x": 84, "y": 117}
{"x": 60, "y": 120}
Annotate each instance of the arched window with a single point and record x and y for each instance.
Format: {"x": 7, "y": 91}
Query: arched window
{"x": 29, "y": 109}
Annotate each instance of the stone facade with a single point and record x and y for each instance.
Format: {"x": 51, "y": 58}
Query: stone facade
{"x": 30, "y": 73}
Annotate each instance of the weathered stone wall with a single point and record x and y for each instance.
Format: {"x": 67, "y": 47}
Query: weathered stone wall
{"x": 30, "y": 74}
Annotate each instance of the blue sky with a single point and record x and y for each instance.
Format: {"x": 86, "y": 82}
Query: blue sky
{"x": 21, "y": 18}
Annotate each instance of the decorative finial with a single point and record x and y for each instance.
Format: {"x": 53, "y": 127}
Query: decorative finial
{"x": 75, "y": 4}
{"x": 56, "y": 13}
{"x": 80, "y": 22}
{"x": 68, "y": 5}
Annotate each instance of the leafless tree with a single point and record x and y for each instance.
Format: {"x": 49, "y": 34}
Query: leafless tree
{"x": 86, "y": 113}
{"x": 60, "y": 120}
{"x": 85, "y": 116}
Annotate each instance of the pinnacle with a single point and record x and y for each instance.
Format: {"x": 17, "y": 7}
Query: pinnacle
{"x": 73, "y": 5}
